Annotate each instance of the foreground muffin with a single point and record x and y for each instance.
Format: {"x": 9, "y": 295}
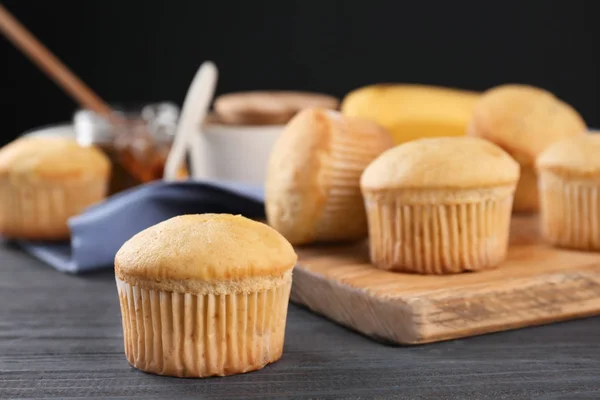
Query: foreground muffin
{"x": 46, "y": 180}
{"x": 204, "y": 295}
{"x": 524, "y": 121}
{"x": 440, "y": 205}
{"x": 312, "y": 191}
{"x": 569, "y": 184}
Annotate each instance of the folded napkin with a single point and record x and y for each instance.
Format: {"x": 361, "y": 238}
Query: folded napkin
{"x": 98, "y": 233}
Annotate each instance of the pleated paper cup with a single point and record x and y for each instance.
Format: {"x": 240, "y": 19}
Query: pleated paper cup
{"x": 570, "y": 211}
{"x": 353, "y": 146}
{"x": 313, "y": 183}
{"x": 439, "y": 231}
{"x": 202, "y": 335}
{"x": 40, "y": 211}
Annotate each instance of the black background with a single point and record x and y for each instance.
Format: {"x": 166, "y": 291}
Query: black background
{"x": 133, "y": 50}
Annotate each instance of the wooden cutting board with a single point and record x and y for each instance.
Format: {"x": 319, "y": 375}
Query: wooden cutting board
{"x": 537, "y": 284}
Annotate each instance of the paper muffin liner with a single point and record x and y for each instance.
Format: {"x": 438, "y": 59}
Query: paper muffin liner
{"x": 570, "y": 211}
{"x": 189, "y": 335}
{"x": 415, "y": 232}
{"x": 350, "y": 152}
{"x": 40, "y": 211}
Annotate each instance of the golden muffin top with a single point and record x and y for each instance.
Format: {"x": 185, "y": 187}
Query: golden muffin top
{"x": 439, "y": 163}
{"x": 205, "y": 247}
{"x": 575, "y": 156}
{"x": 524, "y": 120}
{"x": 51, "y": 158}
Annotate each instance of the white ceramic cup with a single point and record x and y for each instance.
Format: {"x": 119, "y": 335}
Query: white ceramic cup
{"x": 236, "y": 153}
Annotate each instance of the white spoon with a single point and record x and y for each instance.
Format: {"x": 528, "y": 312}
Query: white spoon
{"x": 194, "y": 109}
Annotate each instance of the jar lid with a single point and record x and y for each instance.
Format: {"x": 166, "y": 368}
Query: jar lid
{"x": 91, "y": 128}
{"x": 159, "y": 119}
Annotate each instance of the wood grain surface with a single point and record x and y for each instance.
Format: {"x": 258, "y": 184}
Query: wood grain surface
{"x": 61, "y": 337}
{"x": 536, "y": 284}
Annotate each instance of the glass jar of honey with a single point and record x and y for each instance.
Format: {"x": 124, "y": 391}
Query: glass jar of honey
{"x": 137, "y": 142}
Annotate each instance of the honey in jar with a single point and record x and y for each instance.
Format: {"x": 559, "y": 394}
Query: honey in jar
{"x": 137, "y": 143}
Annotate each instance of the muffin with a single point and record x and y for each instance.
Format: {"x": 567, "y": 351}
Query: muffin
{"x": 569, "y": 184}
{"x": 524, "y": 121}
{"x": 267, "y": 107}
{"x": 440, "y": 205}
{"x": 312, "y": 191}
{"x": 46, "y": 180}
{"x": 204, "y": 295}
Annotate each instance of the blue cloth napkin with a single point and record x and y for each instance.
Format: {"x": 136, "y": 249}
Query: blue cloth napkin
{"x": 98, "y": 233}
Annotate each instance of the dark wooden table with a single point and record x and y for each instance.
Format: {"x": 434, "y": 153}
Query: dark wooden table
{"x": 60, "y": 336}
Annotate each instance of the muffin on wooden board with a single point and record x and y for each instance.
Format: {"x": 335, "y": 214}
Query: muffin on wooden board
{"x": 524, "y": 121}
{"x": 569, "y": 185}
{"x": 312, "y": 187}
{"x": 267, "y": 107}
{"x": 439, "y": 206}
{"x": 46, "y": 180}
{"x": 204, "y": 295}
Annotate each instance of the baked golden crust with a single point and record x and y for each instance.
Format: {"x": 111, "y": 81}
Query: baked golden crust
{"x": 439, "y": 205}
{"x": 204, "y": 295}
{"x": 573, "y": 157}
{"x": 441, "y": 163}
{"x": 268, "y": 107}
{"x": 313, "y": 174}
{"x": 524, "y": 120}
{"x": 61, "y": 159}
{"x": 196, "y": 252}
{"x": 569, "y": 183}
{"x": 46, "y": 180}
